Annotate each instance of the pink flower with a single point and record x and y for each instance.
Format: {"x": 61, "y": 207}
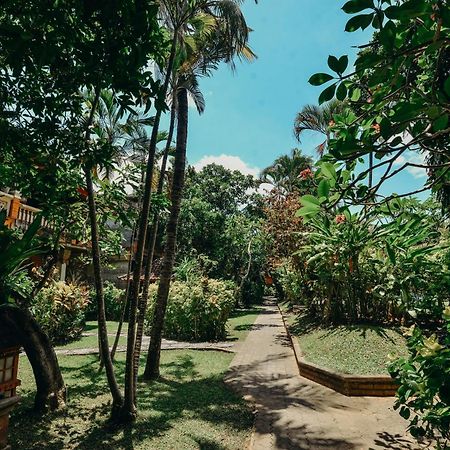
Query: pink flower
{"x": 340, "y": 218}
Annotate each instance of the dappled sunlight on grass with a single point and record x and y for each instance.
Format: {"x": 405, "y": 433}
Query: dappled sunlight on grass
{"x": 188, "y": 408}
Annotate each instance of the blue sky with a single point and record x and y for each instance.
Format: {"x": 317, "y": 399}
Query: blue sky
{"x": 249, "y": 114}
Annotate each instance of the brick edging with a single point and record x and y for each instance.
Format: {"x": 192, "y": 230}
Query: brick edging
{"x": 350, "y": 385}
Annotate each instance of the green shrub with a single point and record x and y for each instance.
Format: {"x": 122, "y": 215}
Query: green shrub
{"x": 114, "y": 298}
{"x": 196, "y": 311}
{"x": 423, "y": 397}
{"x": 60, "y": 310}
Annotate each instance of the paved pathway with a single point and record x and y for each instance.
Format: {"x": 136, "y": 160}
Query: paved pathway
{"x": 165, "y": 345}
{"x": 295, "y": 413}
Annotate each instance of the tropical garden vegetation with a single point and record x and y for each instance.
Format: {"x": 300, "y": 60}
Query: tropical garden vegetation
{"x": 81, "y": 122}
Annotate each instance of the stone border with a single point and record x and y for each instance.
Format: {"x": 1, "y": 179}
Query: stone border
{"x": 349, "y": 385}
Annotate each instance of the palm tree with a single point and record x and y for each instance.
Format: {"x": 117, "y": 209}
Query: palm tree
{"x": 285, "y": 171}
{"x": 181, "y": 17}
{"x": 220, "y": 33}
{"x": 317, "y": 119}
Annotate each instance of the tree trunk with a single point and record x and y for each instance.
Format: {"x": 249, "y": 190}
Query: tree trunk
{"x": 370, "y": 170}
{"x": 128, "y": 412}
{"x": 152, "y": 366}
{"x": 101, "y": 315}
{"x": 50, "y": 388}
{"x": 151, "y": 243}
{"x": 103, "y": 344}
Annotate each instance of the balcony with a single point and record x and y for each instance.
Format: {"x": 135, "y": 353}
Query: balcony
{"x": 18, "y": 214}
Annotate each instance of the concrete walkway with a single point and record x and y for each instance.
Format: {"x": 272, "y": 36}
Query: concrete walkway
{"x": 295, "y": 413}
{"x": 166, "y": 344}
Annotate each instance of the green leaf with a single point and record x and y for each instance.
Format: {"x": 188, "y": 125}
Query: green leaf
{"x": 320, "y": 78}
{"x": 327, "y": 94}
{"x": 440, "y": 123}
{"x": 341, "y": 92}
{"x": 323, "y": 189}
{"x": 343, "y": 63}
{"x": 390, "y": 253}
{"x": 356, "y": 95}
{"x": 355, "y": 6}
{"x": 307, "y": 211}
{"x": 447, "y": 86}
{"x": 328, "y": 170}
{"x": 362, "y": 21}
{"x": 338, "y": 65}
{"x": 310, "y": 201}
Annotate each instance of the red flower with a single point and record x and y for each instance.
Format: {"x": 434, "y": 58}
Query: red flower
{"x": 305, "y": 174}
{"x": 340, "y": 218}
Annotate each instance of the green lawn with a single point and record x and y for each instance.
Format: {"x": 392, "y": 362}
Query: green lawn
{"x": 92, "y": 341}
{"x": 189, "y": 408}
{"x": 355, "y": 349}
{"x": 238, "y": 326}
{"x": 240, "y": 322}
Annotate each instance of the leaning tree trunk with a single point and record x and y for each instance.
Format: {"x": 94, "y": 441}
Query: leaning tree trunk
{"x": 50, "y": 388}
{"x": 154, "y": 352}
{"x": 129, "y": 412}
{"x": 151, "y": 243}
{"x": 98, "y": 280}
{"x": 101, "y": 314}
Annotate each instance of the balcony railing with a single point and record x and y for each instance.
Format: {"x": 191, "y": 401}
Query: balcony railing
{"x": 19, "y": 215}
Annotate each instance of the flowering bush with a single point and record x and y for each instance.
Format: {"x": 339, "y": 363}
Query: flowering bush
{"x": 60, "y": 310}
{"x": 197, "y": 310}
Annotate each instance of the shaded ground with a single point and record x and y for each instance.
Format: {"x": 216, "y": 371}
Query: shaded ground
{"x": 189, "y": 408}
{"x": 295, "y": 413}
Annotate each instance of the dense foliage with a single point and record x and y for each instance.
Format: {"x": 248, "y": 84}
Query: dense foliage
{"x": 198, "y": 309}
{"x": 398, "y": 94}
{"x": 60, "y": 310}
{"x": 114, "y": 303}
{"x": 424, "y": 394}
{"x": 221, "y": 226}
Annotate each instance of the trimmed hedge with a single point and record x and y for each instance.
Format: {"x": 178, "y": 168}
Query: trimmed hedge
{"x": 197, "y": 310}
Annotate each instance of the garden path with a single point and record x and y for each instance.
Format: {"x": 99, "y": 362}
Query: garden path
{"x": 165, "y": 345}
{"x": 295, "y": 413}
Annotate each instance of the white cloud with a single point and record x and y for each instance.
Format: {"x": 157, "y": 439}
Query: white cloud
{"x": 229, "y": 162}
{"x": 414, "y": 158}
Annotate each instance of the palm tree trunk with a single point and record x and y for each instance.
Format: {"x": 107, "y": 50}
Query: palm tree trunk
{"x": 128, "y": 412}
{"x": 98, "y": 281}
{"x": 151, "y": 243}
{"x": 152, "y": 365}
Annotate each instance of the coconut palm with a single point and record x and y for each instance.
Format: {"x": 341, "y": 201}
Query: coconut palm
{"x": 284, "y": 173}
{"x": 317, "y": 119}
{"x": 220, "y": 33}
{"x": 183, "y": 18}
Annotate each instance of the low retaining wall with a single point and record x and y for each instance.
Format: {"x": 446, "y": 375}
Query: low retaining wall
{"x": 350, "y": 385}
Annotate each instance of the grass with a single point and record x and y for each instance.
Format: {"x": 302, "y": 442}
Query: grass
{"x": 241, "y": 322}
{"x": 92, "y": 341}
{"x": 188, "y": 408}
{"x": 351, "y": 349}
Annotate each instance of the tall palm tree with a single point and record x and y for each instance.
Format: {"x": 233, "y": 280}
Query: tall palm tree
{"x": 284, "y": 173}
{"x": 181, "y": 17}
{"x": 317, "y": 119}
{"x": 220, "y": 33}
